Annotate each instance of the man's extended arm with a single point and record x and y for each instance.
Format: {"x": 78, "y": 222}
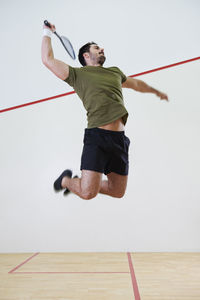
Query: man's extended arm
{"x": 141, "y": 86}
{"x": 59, "y": 68}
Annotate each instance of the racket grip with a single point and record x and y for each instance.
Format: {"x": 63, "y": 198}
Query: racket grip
{"x": 47, "y": 23}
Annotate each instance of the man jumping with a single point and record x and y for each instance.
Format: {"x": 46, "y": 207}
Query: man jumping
{"x": 106, "y": 146}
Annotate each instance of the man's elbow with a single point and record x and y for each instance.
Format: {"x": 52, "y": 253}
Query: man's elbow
{"x": 48, "y": 62}
{"x": 45, "y": 61}
{"x": 46, "y": 58}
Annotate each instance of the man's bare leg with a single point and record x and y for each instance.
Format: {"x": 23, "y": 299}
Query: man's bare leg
{"x": 115, "y": 186}
{"x": 86, "y": 187}
{"x": 91, "y": 183}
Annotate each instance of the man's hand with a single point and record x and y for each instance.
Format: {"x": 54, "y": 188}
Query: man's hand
{"x": 162, "y": 96}
{"x": 53, "y": 28}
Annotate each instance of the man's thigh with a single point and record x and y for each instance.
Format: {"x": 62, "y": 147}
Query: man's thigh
{"x": 117, "y": 182}
{"x": 91, "y": 181}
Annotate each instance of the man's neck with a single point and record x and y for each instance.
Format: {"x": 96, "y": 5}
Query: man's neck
{"x": 93, "y": 65}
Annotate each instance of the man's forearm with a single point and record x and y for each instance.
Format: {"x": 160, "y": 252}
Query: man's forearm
{"x": 145, "y": 88}
{"x": 47, "y": 51}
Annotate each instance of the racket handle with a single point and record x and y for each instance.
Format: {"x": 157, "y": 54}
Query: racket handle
{"x": 47, "y": 23}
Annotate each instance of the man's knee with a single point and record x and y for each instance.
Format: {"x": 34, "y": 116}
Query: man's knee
{"x": 116, "y": 191}
{"x": 88, "y": 195}
{"x": 119, "y": 194}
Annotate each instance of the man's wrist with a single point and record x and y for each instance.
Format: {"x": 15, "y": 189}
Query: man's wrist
{"x": 154, "y": 91}
{"x": 47, "y": 32}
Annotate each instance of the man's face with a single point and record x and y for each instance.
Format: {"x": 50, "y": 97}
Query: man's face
{"x": 96, "y": 55}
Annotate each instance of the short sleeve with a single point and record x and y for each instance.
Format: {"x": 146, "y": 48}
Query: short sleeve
{"x": 71, "y": 79}
{"x": 123, "y": 76}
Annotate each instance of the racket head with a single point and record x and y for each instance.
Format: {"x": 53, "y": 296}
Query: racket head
{"x": 68, "y": 46}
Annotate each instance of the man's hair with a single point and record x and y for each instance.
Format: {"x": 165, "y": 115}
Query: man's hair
{"x": 82, "y": 50}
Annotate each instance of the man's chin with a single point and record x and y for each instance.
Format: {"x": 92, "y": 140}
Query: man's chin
{"x": 102, "y": 59}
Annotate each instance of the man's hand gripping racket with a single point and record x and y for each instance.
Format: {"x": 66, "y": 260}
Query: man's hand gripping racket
{"x": 65, "y": 42}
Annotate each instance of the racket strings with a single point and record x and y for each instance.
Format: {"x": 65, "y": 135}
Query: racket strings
{"x": 68, "y": 46}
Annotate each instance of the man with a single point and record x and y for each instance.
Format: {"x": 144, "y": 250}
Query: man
{"x": 106, "y": 146}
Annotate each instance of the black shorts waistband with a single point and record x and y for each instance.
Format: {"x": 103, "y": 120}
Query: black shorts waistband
{"x": 98, "y": 130}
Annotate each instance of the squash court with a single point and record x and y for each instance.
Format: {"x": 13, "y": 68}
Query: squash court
{"x": 141, "y": 244}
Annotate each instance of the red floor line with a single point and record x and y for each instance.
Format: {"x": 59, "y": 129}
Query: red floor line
{"x": 23, "y": 263}
{"x": 133, "y": 278}
{"x": 71, "y": 273}
{"x": 72, "y": 92}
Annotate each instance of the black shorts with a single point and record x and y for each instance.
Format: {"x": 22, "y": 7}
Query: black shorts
{"x": 105, "y": 151}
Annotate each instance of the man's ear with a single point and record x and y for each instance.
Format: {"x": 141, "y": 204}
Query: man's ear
{"x": 86, "y": 55}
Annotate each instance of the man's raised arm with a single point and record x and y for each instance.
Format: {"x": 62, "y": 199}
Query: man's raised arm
{"x": 141, "y": 86}
{"x": 59, "y": 68}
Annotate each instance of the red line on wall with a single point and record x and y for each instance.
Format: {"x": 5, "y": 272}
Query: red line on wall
{"x": 72, "y": 92}
{"x": 165, "y": 67}
{"x": 23, "y": 263}
{"x": 133, "y": 278}
{"x": 36, "y": 102}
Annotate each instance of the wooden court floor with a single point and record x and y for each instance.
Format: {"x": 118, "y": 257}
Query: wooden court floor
{"x": 100, "y": 276}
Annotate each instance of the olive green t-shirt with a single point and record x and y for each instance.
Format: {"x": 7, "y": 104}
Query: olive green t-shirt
{"x": 100, "y": 90}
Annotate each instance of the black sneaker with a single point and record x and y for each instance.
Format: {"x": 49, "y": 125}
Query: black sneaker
{"x": 67, "y": 191}
{"x": 57, "y": 183}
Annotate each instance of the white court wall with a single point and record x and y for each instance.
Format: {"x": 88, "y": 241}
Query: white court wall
{"x": 160, "y": 211}
{"x": 137, "y": 36}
